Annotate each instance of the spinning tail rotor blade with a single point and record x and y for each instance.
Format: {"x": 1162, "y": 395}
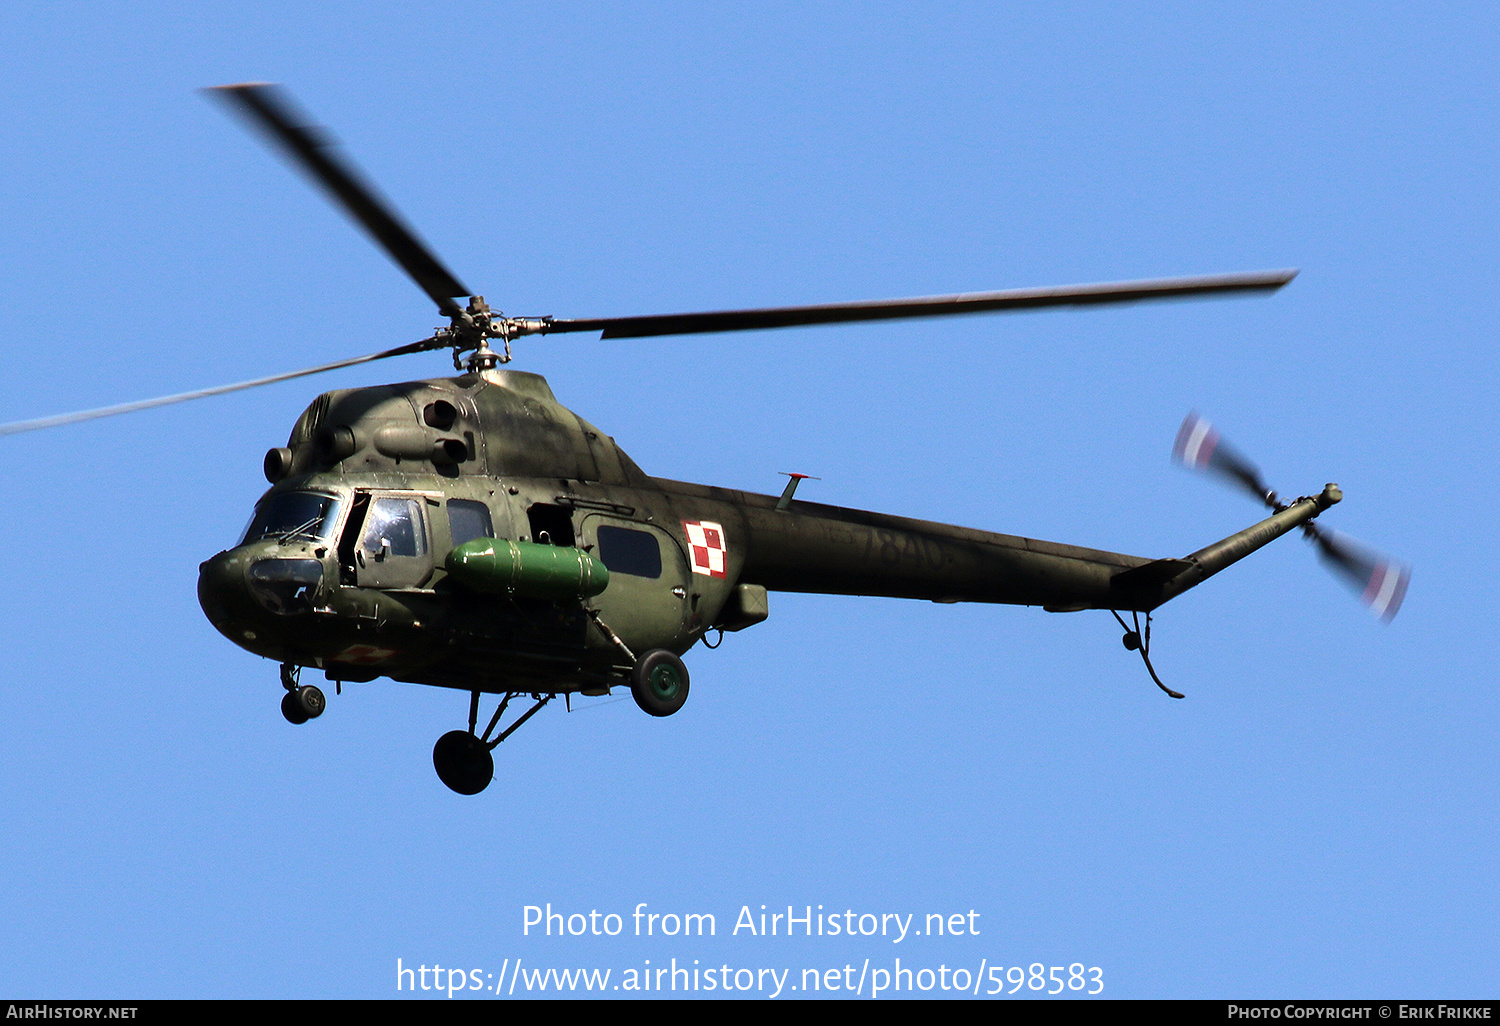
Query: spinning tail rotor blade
{"x": 1380, "y": 580}
{"x": 1200, "y": 447}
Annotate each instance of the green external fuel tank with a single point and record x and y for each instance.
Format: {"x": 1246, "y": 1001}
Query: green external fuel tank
{"x": 499, "y": 566}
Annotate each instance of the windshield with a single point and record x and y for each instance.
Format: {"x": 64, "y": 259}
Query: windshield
{"x": 293, "y": 516}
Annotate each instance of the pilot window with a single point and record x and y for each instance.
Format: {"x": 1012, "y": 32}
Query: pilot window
{"x": 625, "y": 551}
{"x": 468, "y": 520}
{"x": 394, "y": 527}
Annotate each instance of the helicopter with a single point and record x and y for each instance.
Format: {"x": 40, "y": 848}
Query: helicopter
{"x": 471, "y": 532}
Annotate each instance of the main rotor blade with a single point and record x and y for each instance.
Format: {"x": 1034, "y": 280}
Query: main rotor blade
{"x": 1200, "y": 447}
{"x": 16, "y": 427}
{"x": 270, "y": 109}
{"x": 1380, "y": 580}
{"x": 925, "y": 306}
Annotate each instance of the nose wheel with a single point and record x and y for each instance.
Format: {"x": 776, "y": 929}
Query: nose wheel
{"x": 301, "y": 702}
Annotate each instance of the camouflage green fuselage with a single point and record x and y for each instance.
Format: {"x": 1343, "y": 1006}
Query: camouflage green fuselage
{"x": 343, "y": 567}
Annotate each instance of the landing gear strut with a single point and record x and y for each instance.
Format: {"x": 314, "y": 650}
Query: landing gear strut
{"x": 658, "y": 679}
{"x": 462, "y": 758}
{"x": 301, "y": 702}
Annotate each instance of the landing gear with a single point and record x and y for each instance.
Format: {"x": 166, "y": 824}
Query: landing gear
{"x": 303, "y": 704}
{"x": 659, "y": 682}
{"x": 300, "y": 703}
{"x": 463, "y": 762}
{"x": 462, "y": 758}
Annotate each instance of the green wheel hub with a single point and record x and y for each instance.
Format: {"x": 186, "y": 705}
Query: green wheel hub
{"x": 659, "y": 682}
{"x": 665, "y": 681}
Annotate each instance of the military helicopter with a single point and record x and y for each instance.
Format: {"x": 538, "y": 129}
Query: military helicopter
{"x": 471, "y": 532}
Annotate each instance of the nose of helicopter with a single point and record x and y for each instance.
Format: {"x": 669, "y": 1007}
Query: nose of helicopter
{"x": 224, "y": 594}
{"x": 259, "y": 596}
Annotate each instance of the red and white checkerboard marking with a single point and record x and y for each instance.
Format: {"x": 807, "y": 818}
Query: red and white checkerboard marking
{"x": 706, "y": 540}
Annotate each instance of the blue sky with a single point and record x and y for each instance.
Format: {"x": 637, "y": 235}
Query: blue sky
{"x": 1316, "y": 818}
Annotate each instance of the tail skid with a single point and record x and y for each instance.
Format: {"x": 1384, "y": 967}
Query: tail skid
{"x": 1148, "y": 586}
{"x": 1140, "y": 642}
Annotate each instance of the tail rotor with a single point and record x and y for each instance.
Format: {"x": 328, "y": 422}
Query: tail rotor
{"x": 1380, "y": 581}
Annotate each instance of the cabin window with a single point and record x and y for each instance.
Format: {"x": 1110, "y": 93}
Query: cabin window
{"x": 293, "y": 516}
{"x": 625, "y": 551}
{"x": 550, "y": 525}
{"x": 468, "y": 520}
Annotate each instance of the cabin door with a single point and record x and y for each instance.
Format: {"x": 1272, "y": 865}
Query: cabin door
{"x": 646, "y": 602}
{"x": 387, "y": 542}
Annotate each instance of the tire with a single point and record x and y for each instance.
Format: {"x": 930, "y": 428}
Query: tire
{"x": 659, "y": 682}
{"x": 292, "y": 709}
{"x": 463, "y": 762}
{"x": 311, "y": 701}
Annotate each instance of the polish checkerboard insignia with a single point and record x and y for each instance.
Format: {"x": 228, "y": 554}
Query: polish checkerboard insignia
{"x": 706, "y": 541}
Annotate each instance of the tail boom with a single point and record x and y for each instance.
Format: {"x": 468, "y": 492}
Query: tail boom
{"x": 813, "y": 548}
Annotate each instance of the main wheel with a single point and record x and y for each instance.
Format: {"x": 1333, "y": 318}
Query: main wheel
{"x": 463, "y": 762}
{"x": 659, "y": 682}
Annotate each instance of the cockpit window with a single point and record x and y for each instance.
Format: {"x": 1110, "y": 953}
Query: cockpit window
{"x": 394, "y": 526}
{"x": 293, "y": 516}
